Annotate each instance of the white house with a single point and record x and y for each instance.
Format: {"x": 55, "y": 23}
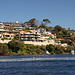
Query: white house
{"x": 8, "y": 35}
{"x": 41, "y": 30}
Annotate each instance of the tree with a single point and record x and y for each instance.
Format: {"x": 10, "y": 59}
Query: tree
{"x": 59, "y": 49}
{"x": 3, "y": 49}
{"x": 44, "y": 26}
{"x": 46, "y": 21}
{"x": 69, "y": 48}
{"x": 50, "y": 47}
{"x": 51, "y": 28}
{"x": 32, "y": 22}
{"x": 15, "y": 46}
{"x": 64, "y": 32}
{"x": 73, "y": 38}
{"x": 57, "y": 28}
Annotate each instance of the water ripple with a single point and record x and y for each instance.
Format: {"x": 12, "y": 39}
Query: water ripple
{"x": 36, "y": 59}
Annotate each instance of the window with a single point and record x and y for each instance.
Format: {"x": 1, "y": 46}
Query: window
{"x": 7, "y": 36}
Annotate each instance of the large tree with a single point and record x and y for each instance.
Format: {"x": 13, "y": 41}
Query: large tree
{"x": 32, "y": 22}
{"x": 15, "y": 46}
{"x": 57, "y": 28}
{"x": 46, "y": 21}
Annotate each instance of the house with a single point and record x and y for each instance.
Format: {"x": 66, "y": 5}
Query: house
{"x": 47, "y": 32}
{"x": 8, "y": 35}
{"x": 53, "y": 35}
{"x": 8, "y": 28}
{"x": 7, "y": 23}
{"x": 43, "y": 38}
{"x": 3, "y": 29}
{"x": 58, "y": 41}
{"x": 41, "y": 30}
{"x": 67, "y": 36}
{"x": 73, "y": 34}
{"x": 1, "y": 24}
{"x": 18, "y": 28}
{"x": 16, "y": 23}
{"x": 29, "y": 36}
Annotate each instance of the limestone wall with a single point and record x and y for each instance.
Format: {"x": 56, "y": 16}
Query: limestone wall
{"x": 4, "y": 41}
{"x": 37, "y": 43}
{"x": 40, "y": 43}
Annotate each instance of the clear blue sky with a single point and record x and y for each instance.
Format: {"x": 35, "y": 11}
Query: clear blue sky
{"x": 59, "y": 12}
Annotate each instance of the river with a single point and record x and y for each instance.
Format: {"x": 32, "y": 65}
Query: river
{"x": 38, "y": 65}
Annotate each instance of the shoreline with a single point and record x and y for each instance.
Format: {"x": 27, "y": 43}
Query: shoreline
{"x": 37, "y": 54}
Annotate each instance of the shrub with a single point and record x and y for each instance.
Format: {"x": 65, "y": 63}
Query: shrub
{"x": 59, "y": 49}
{"x": 50, "y": 47}
{"x": 3, "y": 49}
{"x": 15, "y": 46}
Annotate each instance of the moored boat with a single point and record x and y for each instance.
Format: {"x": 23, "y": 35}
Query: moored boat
{"x": 47, "y": 52}
{"x": 72, "y": 52}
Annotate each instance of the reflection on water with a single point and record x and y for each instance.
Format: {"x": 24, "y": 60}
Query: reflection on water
{"x": 38, "y": 65}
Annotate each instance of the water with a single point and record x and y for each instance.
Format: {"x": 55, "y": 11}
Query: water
{"x": 38, "y": 65}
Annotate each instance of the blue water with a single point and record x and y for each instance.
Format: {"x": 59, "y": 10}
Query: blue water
{"x": 38, "y": 65}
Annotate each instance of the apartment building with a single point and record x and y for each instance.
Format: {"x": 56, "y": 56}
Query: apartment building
{"x": 29, "y": 35}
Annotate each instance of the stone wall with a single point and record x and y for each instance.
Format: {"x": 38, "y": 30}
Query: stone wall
{"x": 40, "y": 43}
{"x": 4, "y": 41}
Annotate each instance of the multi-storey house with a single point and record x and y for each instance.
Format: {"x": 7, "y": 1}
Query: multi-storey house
{"x": 29, "y": 35}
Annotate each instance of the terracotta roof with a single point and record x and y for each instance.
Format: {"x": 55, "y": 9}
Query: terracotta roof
{"x": 21, "y": 32}
{"x": 8, "y": 34}
{"x": 5, "y": 33}
{"x": 73, "y": 35}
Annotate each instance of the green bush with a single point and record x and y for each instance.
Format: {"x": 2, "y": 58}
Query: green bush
{"x": 15, "y": 46}
{"x": 4, "y": 38}
{"x": 3, "y": 49}
{"x": 50, "y": 47}
{"x": 59, "y": 49}
{"x": 32, "y": 49}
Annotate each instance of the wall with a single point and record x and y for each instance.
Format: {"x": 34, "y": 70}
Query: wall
{"x": 5, "y": 41}
{"x": 40, "y": 43}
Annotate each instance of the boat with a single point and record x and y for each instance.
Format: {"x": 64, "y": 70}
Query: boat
{"x": 47, "y": 52}
{"x": 72, "y": 52}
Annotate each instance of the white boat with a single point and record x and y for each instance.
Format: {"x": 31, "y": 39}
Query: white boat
{"x": 47, "y": 52}
{"x": 72, "y": 52}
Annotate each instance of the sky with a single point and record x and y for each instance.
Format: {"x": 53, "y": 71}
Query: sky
{"x": 59, "y": 12}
